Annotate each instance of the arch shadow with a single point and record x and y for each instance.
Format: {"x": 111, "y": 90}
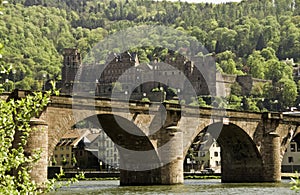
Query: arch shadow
{"x": 241, "y": 160}
{"x": 135, "y": 148}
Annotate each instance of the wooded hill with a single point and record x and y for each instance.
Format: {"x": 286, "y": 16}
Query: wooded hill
{"x": 250, "y": 37}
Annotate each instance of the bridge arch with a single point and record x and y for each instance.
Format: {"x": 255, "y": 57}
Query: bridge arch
{"x": 241, "y": 160}
{"x": 136, "y": 151}
{"x": 133, "y": 144}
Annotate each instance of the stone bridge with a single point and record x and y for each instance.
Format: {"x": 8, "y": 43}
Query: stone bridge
{"x": 153, "y": 139}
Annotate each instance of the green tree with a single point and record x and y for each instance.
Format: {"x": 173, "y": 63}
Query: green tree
{"x": 287, "y": 92}
{"x": 16, "y": 115}
{"x": 256, "y": 63}
{"x": 236, "y": 89}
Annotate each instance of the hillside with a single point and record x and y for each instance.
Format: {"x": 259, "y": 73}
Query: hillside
{"x": 250, "y": 37}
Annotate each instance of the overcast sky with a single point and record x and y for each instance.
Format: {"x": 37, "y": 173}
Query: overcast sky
{"x": 209, "y": 1}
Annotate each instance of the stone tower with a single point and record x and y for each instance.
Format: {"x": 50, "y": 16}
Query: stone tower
{"x": 71, "y": 63}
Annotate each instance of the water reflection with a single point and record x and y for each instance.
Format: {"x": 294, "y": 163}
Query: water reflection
{"x": 213, "y": 186}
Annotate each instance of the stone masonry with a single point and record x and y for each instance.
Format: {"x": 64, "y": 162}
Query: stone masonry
{"x": 252, "y": 144}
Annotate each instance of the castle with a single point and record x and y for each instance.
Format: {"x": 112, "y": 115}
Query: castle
{"x": 123, "y": 76}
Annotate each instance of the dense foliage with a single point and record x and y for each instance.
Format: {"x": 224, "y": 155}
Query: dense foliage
{"x": 250, "y": 37}
{"x": 15, "y": 161}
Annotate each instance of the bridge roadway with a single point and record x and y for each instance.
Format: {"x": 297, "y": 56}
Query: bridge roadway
{"x": 153, "y": 138}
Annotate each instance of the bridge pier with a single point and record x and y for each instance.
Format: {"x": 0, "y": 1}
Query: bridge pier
{"x": 38, "y": 140}
{"x": 167, "y": 160}
{"x": 169, "y": 174}
{"x": 172, "y": 173}
{"x": 171, "y": 155}
{"x": 137, "y": 178}
{"x": 271, "y": 158}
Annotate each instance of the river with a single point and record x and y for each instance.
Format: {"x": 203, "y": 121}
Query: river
{"x": 207, "y": 187}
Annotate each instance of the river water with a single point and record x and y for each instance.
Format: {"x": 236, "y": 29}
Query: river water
{"x": 207, "y": 187}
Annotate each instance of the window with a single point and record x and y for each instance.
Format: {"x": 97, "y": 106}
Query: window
{"x": 67, "y": 155}
{"x": 216, "y": 154}
{"x": 290, "y": 159}
{"x": 61, "y": 155}
{"x": 217, "y": 163}
{"x": 293, "y": 147}
{"x": 202, "y": 154}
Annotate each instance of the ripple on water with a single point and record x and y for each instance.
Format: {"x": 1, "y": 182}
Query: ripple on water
{"x": 207, "y": 187}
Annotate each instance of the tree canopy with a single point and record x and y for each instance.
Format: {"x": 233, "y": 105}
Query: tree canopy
{"x": 247, "y": 37}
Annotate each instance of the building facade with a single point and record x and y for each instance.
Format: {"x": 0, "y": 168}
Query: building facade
{"x": 206, "y": 153}
{"x": 108, "y": 153}
{"x": 73, "y": 150}
{"x": 291, "y": 159}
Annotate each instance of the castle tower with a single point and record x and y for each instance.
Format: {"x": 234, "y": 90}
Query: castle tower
{"x": 71, "y": 63}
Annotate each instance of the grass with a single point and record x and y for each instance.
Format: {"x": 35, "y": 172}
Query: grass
{"x": 202, "y": 177}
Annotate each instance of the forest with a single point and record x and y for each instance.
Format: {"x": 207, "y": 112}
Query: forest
{"x": 250, "y": 37}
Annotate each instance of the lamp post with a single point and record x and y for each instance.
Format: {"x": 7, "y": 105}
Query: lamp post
{"x": 14, "y": 77}
{"x": 276, "y": 104}
{"x": 44, "y": 77}
{"x": 6, "y": 82}
{"x": 100, "y": 164}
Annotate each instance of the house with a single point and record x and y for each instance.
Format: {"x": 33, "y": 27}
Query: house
{"x": 206, "y": 154}
{"x": 291, "y": 159}
{"x": 108, "y": 153}
{"x": 209, "y": 153}
{"x": 71, "y": 151}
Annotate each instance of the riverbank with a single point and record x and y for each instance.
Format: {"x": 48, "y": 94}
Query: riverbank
{"x": 101, "y": 175}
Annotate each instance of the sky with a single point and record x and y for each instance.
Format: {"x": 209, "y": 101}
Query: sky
{"x": 208, "y": 1}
